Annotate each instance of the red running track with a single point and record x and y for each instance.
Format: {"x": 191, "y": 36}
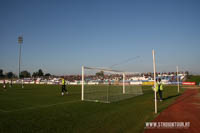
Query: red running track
{"x": 185, "y": 109}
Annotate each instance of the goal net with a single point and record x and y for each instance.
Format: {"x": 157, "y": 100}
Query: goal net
{"x": 106, "y": 85}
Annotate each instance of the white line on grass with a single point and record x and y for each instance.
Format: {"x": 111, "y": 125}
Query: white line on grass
{"x": 36, "y": 107}
{"x": 1, "y": 110}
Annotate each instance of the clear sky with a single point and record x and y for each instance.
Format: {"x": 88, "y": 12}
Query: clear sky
{"x": 62, "y": 35}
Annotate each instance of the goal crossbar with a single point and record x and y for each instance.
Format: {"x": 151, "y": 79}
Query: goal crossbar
{"x": 110, "y": 70}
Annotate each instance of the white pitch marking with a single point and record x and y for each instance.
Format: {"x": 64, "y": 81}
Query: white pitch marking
{"x": 1, "y": 110}
{"x": 36, "y": 107}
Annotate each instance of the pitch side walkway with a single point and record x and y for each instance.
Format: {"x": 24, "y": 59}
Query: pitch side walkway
{"x": 185, "y": 109}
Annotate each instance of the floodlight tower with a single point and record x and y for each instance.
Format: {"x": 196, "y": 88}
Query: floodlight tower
{"x": 20, "y": 41}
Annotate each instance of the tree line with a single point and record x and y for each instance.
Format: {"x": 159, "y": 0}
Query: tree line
{"x": 23, "y": 74}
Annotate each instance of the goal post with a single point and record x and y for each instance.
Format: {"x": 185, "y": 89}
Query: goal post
{"x": 107, "y": 85}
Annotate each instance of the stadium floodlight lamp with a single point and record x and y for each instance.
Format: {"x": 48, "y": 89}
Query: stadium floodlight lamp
{"x": 20, "y": 39}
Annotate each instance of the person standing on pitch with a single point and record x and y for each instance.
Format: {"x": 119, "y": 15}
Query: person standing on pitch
{"x": 159, "y": 88}
{"x": 22, "y": 83}
{"x": 11, "y": 83}
{"x": 64, "y": 90}
{"x": 4, "y": 85}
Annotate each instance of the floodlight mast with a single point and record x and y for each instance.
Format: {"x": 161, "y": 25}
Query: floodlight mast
{"x": 154, "y": 69}
{"x": 20, "y": 41}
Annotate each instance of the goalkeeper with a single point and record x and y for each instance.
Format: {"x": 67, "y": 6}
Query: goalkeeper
{"x": 64, "y": 90}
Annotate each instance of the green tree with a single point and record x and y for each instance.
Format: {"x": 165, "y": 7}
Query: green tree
{"x": 25, "y": 74}
{"x": 187, "y": 72}
{"x": 35, "y": 74}
{"x": 47, "y": 75}
{"x": 10, "y": 75}
{"x": 1, "y": 73}
{"x": 100, "y": 74}
{"x": 40, "y": 73}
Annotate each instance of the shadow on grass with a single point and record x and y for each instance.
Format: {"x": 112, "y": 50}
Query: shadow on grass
{"x": 169, "y": 97}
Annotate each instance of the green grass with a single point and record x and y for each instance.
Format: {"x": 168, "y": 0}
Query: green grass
{"x": 194, "y": 78}
{"x": 110, "y": 93}
{"x": 42, "y": 109}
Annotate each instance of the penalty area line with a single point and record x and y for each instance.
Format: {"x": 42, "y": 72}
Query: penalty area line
{"x": 37, "y": 107}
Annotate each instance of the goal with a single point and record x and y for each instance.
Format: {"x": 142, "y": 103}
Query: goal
{"x": 106, "y": 85}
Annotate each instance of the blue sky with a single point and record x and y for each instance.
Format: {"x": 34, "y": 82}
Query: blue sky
{"x": 62, "y": 35}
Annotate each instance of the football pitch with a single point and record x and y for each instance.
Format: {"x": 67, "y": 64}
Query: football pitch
{"x": 41, "y": 108}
